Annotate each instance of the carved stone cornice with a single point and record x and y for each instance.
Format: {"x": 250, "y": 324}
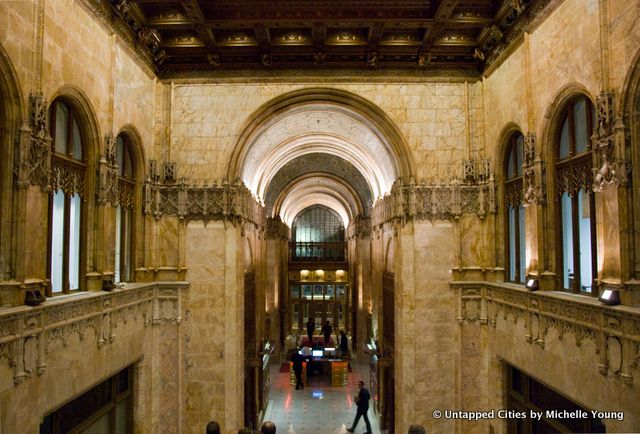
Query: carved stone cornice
{"x": 610, "y": 166}
{"x": 28, "y": 334}
{"x": 440, "y": 201}
{"x": 491, "y": 303}
{"x": 33, "y": 159}
{"x": 359, "y": 227}
{"x": 229, "y": 201}
{"x": 277, "y": 229}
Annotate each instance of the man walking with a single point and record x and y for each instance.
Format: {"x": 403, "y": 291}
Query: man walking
{"x": 362, "y": 400}
{"x": 297, "y": 360}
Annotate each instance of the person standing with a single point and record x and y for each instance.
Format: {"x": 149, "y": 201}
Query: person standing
{"x": 362, "y": 401}
{"x": 344, "y": 343}
{"x": 297, "y": 360}
{"x": 326, "y": 332}
{"x": 311, "y": 326}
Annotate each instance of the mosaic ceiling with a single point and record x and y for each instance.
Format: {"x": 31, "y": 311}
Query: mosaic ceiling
{"x": 188, "y": 37}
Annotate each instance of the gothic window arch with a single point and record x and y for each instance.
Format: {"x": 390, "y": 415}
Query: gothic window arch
{"x": 514, "y": 209}
{"x": 576, "y": 207}
{"x": 124, "y": 210}
{"x": 66, "y": 211}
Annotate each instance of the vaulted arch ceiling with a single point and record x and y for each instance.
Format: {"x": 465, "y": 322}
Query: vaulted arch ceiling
{"x": 324, "y": 128}
{"x": 319, "y": 163}
{"x": 317, "y": 188}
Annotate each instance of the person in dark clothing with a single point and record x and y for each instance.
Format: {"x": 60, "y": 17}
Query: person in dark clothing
{"x": 344, "y": 343}
{"x": 362, "y": 401}
{"x": 297, "y": 360}
{"x": 326, "y": 332}
{"x": 311, "y": 326}
{"x": 213, "y": 428}
{"x": 268, "y": 428}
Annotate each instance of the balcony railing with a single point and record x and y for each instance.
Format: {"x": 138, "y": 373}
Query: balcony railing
{"x": 318, "y": 252}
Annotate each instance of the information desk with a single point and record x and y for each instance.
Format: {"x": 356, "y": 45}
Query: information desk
{"x": 339, "y": 370}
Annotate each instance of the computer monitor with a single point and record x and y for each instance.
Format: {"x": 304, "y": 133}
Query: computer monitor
{"x": 316, "y": 353}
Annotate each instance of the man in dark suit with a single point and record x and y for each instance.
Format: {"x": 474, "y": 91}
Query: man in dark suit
{"x": 362, "y": 401}
{"x": 297, "y": 360}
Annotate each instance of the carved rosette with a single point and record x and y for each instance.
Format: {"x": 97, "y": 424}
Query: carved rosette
{"x": 608, "y": 146}
{"x": 33, "y": 164}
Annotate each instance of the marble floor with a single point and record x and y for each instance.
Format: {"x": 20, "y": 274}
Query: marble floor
{"x": 318, "y": 408}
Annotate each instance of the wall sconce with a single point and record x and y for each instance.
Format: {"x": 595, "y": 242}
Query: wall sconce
{"x": 339, "y": 274}
{"x": 304, "y": 274}
{"x": 320, "y": 274}
{"x": 610, "y": 297}
{"x": 532, "y": 283}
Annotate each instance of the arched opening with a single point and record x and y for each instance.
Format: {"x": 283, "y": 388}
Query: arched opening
{"x": 74, "y": 134}
{"x": 11, "y": 116}
{"x": 129, "y": 222}
{"x": 318, "y": 159}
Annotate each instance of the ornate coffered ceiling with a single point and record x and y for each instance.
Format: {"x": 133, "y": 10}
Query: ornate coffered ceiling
{"x": 189, "y": 37}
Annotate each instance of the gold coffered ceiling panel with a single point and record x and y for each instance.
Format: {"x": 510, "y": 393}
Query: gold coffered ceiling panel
{"x": 194, "y": 37}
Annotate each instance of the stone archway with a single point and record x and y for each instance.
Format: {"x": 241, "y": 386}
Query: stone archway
{"x": 13, "y": 123}
{"x": 368, "y": 154}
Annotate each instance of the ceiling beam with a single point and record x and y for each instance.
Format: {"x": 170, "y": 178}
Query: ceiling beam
{"x": 442, "y": 16}
{"x": 192, "y": 8}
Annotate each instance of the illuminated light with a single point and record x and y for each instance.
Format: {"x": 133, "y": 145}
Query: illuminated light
{"x": 339, "y": 273}
{"x": 610, "y": 297}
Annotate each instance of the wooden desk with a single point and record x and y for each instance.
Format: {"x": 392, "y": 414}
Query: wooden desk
{"x": 339, "y": 370}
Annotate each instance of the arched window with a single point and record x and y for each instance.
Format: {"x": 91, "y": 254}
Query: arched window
{"x": 514, "y": 209}
{"x": 318, "y": 224}
{"x": 65, "y": 206}
{"x": 124, "y": 210}
{"x": 576, "y": 210}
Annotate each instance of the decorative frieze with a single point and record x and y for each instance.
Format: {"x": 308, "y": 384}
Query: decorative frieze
{"x": 492, "y": 303}
{"x": 218, "y": 201}
{"x": 29, "y": 335}
{"x": 439, "y": 201}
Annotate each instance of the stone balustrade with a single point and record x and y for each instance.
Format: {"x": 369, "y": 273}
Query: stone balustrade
{"x": 28, "y": 334}
{"x": 615, "y": 330}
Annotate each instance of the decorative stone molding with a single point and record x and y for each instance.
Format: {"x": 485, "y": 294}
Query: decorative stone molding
{"x": 532, "y": 170}
{"x": 439, "y": 201}
{"x": 277, "y": 229}
{"x": 490, "y": 303}
{"x": 108, "y": 173}
{"x": 359, "y": 227}
{"x": 218, "y": 201}
{"x": 608, "y": 152}
{"x": 28, "y": 335}
{"x": 33, "y": 162}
